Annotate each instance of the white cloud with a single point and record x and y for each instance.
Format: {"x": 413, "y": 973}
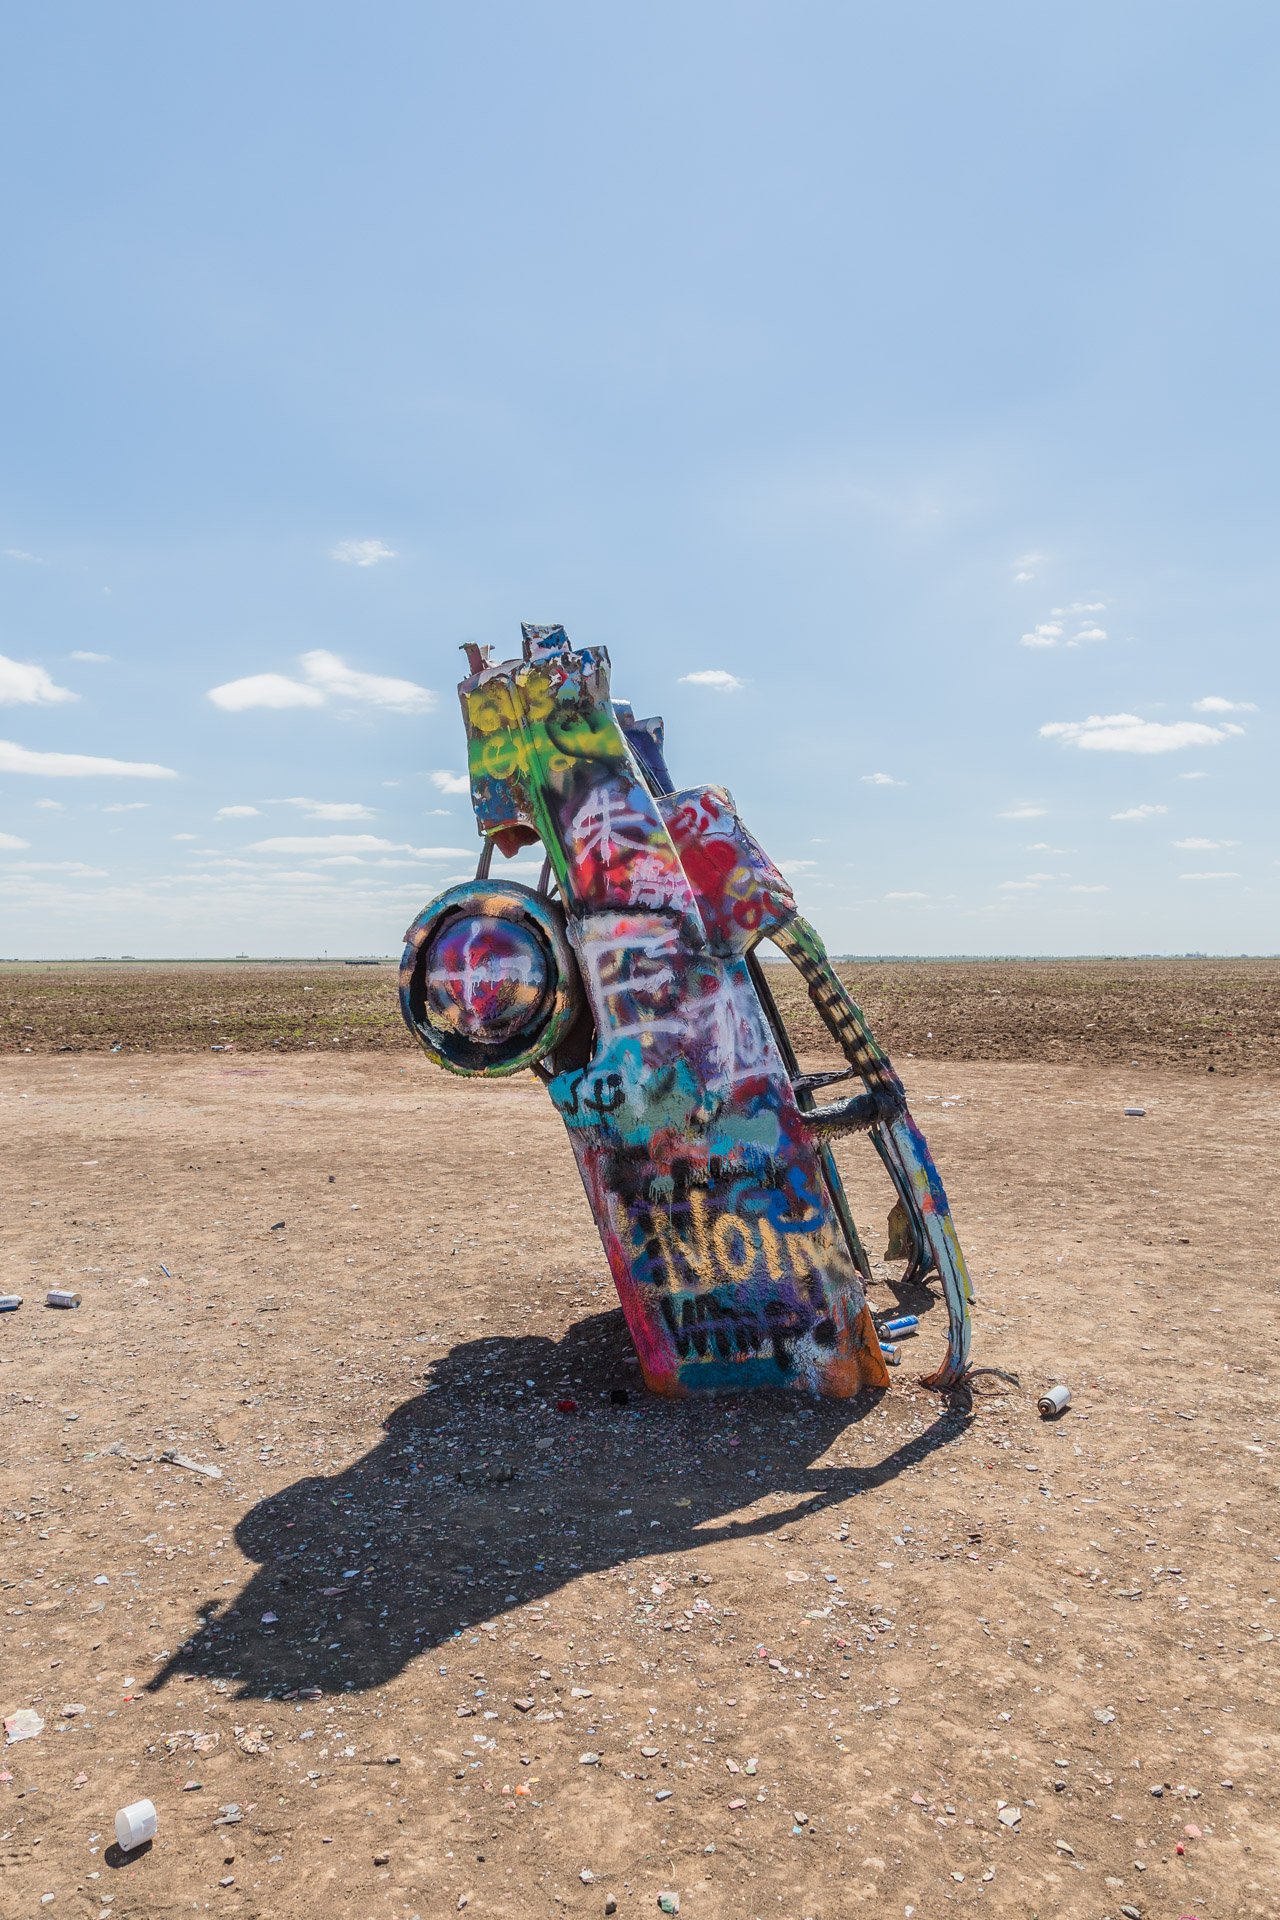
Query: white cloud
{"x": 332, "y": 809}
{"x": 712, "y": 677}
{"x": 1087, "y": 889}
{"x": 1017, "y": 886}
{"x": 1024, "y": 810}
{"x": 264, "y": 690}
{"x": 326, "y": 676}
{"x": 906, "y": 896}
{"x": 445, "y": 782}
{"x": 800, "y": 867}
{"x": 1202, "y": 846}
{"x": 1144, "y": 812}
{"x": 1047, "y": 634}
{"x": 53, "y": 806}
{"x": 351, "y": 843}
{"x": 24, "y": 684}
{"x": 1211, "y": 876}
{"x": 881, "y": 780}
{"x": 57, "y": 766}
{"x": 1050, "y": 632}
{"x": 1214, "y": 703}
{"x": 73, "y": 867}
{"x": 1199, "y": 774}
{"x": 182, "y": 836}
{"x": 1090, "y": 633}
{"x": 236, "y": 813}
{"x": 1025, "y": 568}
{"x": 17, "y": 553}
{"x": 99, "y": 659}
{"x": 127, "y": 806}
{"x": 361, "y": 553}
{"x": 11, "y": 843}
{"x": 1126, "y": 733}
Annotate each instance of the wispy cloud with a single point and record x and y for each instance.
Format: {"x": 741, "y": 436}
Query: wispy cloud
{"x": 54, "y": 806}
{"x": 98, "y": 659}
{"x": 68, "y": 766}
{"x": 1211, "y": 876}
{"x": 906, "y": 896}
{"x": 1053, "y": 631}
{"x": 326, "y": 677}
{"x": 1126, "y": 733}
{"x": 1144, "y": 812}
{"x": 1079, "y": 889}
{"x": 24, "y": 684}
{"x": 445, "y": 782}
{"x": 1018, "y": 886}
{"x": 1202, "y": 846}
{"x": 1023, "y": 810}
{"x": 1199, "y": 774}
{"x": 881, "y": 780}
{"x": 1214, "y": 703}
{"x": 714, "y": 677}
{"x": 1027, "y": 567}
{"x": 17, "y": 553}
{"x": 332, "y": 809}
{"x": 322, "y": 843}
{"x": 236, "y": 813}
{"x": 361, "y": 553}
{"x": 11, "y": 843}
{"x": 127, "y": 806}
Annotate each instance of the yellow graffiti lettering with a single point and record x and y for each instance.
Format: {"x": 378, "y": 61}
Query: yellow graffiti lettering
{"x": 733, "y": 1245}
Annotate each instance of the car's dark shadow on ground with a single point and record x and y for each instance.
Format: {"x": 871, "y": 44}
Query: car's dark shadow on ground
{"x": 459, "y": 1515}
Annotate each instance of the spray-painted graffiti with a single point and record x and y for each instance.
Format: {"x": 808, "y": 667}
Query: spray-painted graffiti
{"x": 707, "y": 1166}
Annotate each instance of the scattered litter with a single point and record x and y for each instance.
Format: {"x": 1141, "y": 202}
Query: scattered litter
{"x": 1135, "y": 1113}
{"x": 72, "y": 1708}
{"x": 192, "y": 1466}
{"x": 902, "y": 1328}
{"x": 135, "y": 1825}
{"x": 664, "y": 1794}
{"x": 566, "y": 1406}
{"x": 10, "y": 1302}
{"x": 25, "y": 1724}
{"x": 1010, "y": 1816}
{"x": 62, "y": 1297}
{"x": 1054, "y": 1400}
{"x": 669, "y": 1902}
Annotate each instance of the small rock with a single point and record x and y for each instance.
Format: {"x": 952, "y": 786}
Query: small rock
{"x": 194, "y": 1786}
{"x": 523, "y": 1706}
{"x": 611, "y": 1905}
{"x": 462, "y": 1900}
{"x": 1010, "y": 1816}
{"x": 669, "y": 1902}
{"x": 1062, "y": 1847}
{"x": 801, "y": 1819}
{"x": 381, "y": 1859}
{"x": 1157, "y": 1793}
{"x": 587, "y": 1877}
{"x": 588, "y": 1759}
{"x": 227, "y": 1880}
{"x": 650, "y": 1753}
{"x": 393, "y": 1760}
{"x": 1131, "y": 1913}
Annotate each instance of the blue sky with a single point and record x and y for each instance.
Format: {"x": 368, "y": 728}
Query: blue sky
{"x": 913, "y": 368}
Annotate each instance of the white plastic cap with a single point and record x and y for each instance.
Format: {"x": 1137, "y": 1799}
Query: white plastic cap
{"x": 135, "y": 1825}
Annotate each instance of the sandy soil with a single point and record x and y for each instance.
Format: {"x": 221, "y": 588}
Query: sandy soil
{"x": 813, "y": 1652}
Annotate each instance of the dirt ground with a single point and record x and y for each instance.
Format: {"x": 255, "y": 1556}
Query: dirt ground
{"x": 892, "y": 1656}
{"x": 1200, "y": 1015}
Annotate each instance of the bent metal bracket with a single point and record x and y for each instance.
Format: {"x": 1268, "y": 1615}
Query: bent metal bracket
{"x": 629, "y": 982}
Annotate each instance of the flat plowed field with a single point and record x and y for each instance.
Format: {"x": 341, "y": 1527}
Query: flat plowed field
{"x": 1192, "y": 1014}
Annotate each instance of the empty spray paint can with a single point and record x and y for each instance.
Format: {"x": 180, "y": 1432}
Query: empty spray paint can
{"x": 62, "y": 1297}
{"x": 1054, "y": 1400}
{"x": 892, "y": 1357}
{"x": 902, "y": 1328}
{"x": 10, "y": 1302}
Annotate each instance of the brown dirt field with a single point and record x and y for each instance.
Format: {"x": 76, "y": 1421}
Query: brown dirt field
{"x": 1193, "y": 1014}
{"x": 381, "y": 1280}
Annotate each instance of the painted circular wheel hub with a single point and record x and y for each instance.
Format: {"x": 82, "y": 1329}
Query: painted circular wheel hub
{"x": 485, "y": 979}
